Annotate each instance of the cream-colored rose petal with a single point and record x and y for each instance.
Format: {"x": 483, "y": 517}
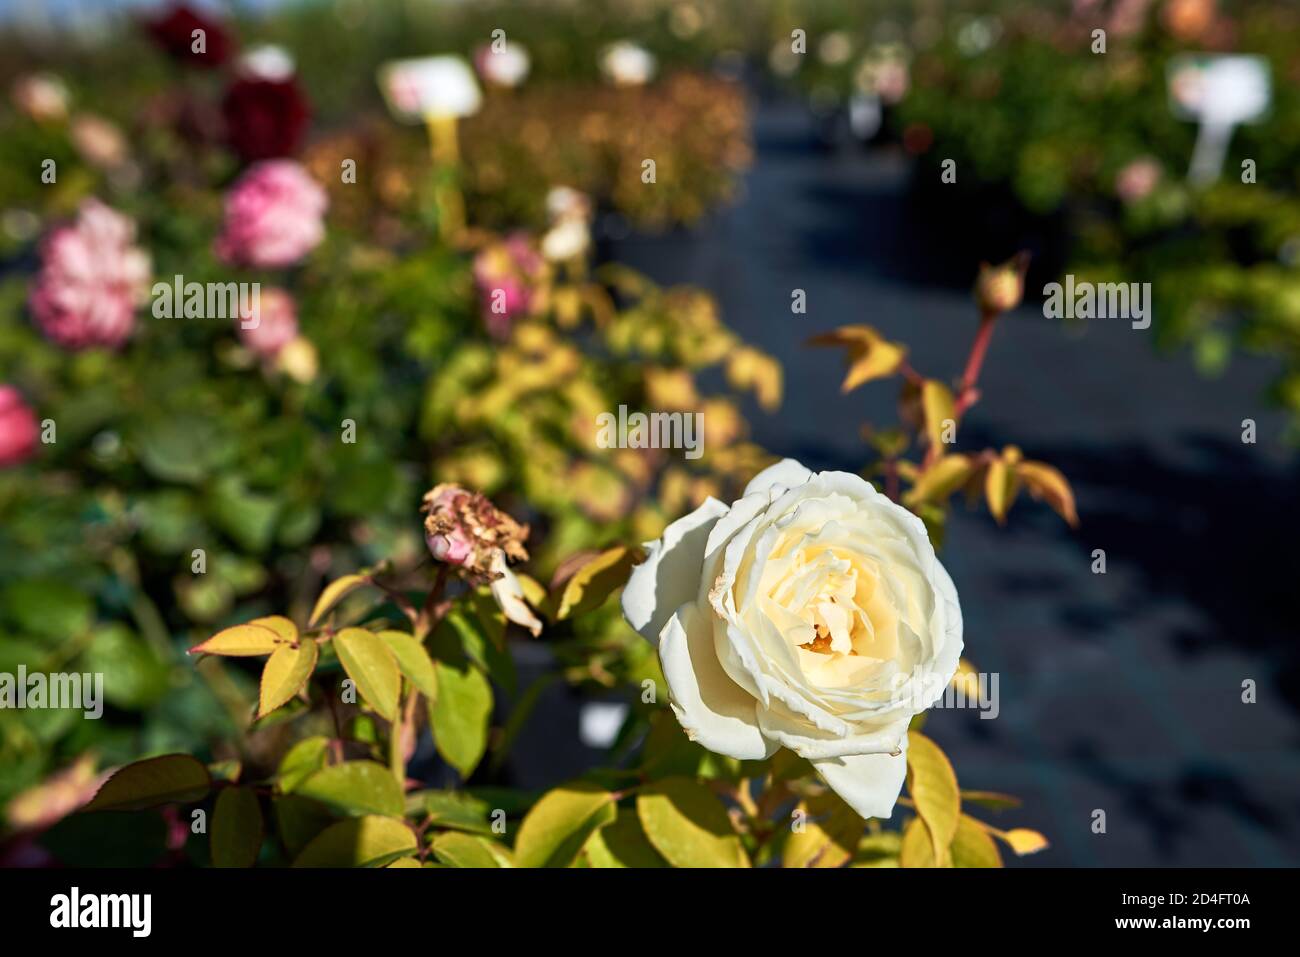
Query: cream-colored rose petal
{"x": 868, "y": 783}
{"x": 786, "y": 472}
{"x": 670, "y": 575}
{"x": 509, "y": 595}
{"x": 713, "y": 709}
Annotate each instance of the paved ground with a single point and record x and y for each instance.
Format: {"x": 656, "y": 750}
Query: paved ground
{"x": 1119, "y": 692}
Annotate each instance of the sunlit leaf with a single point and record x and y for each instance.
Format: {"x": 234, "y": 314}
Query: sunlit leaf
{"x": 932, "y": 784}
{"x": 622, "y": 844}
{"x": 369, "y": 662}
{"x": 972, "y": 846}
{"x": 241, "y": 641}
{"x": 285, "y": 673}
{"x": 459, "y": 715}
{"x": 939, "y": 411}
{"x": 593, "y": 581}
{"x": 468, "y": 850}
{"x": 1047, "y": 483}
{"x": 829, "y": 834}
{"x": 355, "y": 787}
{"x": 558, "y": 825}
{"x": 334, "y": 592}
{"x": 869, "y": 355}
{"x": 688, "y": 825}
{"x": 304, "y": 759}
{"x": 940, "y": 480}
{"x": 413, "y": 661}
{"x": 359, "y": 842}
{"x": 1001, "y": 483}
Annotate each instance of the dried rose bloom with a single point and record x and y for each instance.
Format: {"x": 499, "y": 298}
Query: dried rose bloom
{"x": 465, "y": 529}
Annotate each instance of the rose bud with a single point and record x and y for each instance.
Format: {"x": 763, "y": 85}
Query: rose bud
{"x": 1000, "y": 288}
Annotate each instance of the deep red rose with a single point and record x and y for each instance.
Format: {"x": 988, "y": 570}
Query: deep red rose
{"x": 265, "y": 119}
{"x": 173, "y": 30}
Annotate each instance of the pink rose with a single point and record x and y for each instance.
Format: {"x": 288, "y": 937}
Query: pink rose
{"x": 506, "y": 274}
{"x": 273, "y": 326}
{"x": 1137, "y": 179}
{"x": 92, "y": 279}
{"x": 274, "y": 216}
{"x": 18, "y": 429}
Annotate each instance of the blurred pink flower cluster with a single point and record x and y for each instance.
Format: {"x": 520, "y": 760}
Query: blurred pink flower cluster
{"x": 273, "y": 216}
{"x": 18, "y": 430}
{"x": 274, "y": 326}
{"x": 92, "y": 279}
{"x": 506, "y": 274}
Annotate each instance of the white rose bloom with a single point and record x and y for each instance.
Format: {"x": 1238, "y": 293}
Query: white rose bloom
{"x": 627, "y": 64}
{"x": 505, "y": 67}
{"x": 812, "y": 614}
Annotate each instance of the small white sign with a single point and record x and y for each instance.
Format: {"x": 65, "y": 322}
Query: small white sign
{"x": 435, "y": 86}
{"x": 599, "y": 721}
{"x": 1218, "y": 92}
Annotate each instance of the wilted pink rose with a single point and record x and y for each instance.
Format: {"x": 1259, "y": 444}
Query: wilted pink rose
{"x": 1136, "y": 180}
{"x": 272, "y": 325}
{"x": 92, "y": 279}
{"x": 18, "y": 429}
{"x": 506, "y": 274}
{"x": 274, "y": 216}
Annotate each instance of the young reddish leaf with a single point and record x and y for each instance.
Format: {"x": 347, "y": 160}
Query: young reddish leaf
{"x": 171, "y": 778}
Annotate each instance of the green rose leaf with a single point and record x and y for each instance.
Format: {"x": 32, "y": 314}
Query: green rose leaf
{"x": 236, "y": 828}
{"x": 688, "y": 825}
{"x": 829, "y": 835}
{"x": 468, "y": 850}
{"x": 973, "y": 846}
{"x": 285, "y": 673}
{"x": 413, "y": 661}
{"x": 171, "y": 778}
{"x": 368, "y": 662}
{"x": 334, "y": 593}
{"x": 302, "y": 761}
{"x": 459, "y": 714}
{"x": 932, "y": 783}
{"x": 355, "y": 787}
{"x": 622, "y": 844}
{"x": 555, "y": 830}
{"x": 359, "y": 842}
{"x": 241, "y": 641}
{"x": 452, "y": 809}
